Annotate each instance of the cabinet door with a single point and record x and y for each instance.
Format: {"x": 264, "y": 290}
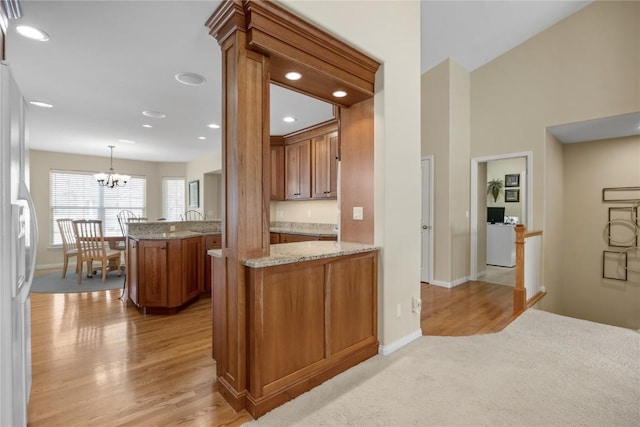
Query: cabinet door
{"x": 298, "y": 170}
{"x": 274, "y": 238}
{"x": 325, "y": 166}
{"x": 277, "y": 172}
{"x": 152, "y": 273}
{"x": 192, "y": 268}
{"x": 291, "y": 238}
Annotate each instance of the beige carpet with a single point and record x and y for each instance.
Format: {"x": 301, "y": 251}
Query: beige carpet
{"x": 542, "y": 370}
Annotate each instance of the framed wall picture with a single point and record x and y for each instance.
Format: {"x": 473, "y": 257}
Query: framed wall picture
{"x": 194, "y": 194}
{"x": 511, "y": 196}
{"x": 512, "y": 180}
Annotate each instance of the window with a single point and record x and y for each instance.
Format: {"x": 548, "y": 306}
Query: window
{"x": 173, "y": 198}
{"x": 77, "y": 195}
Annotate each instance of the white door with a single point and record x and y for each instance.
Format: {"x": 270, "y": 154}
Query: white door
{"x": 17, "y": 256}
{"x": 426, "y": 256}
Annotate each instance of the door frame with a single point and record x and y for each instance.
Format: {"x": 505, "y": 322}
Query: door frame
{"x": 473, "y": 220}
{"x": 431, "y": 213}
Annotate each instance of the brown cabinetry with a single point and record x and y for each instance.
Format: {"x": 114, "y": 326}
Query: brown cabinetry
{"x": 306, "y": 323}
{"x": 325, "y": 166}
{"x": 164, "y": 275}
{"x": 211, "y": 241}
{"x": 277, "y": 172}
{"x": 298, "y": 170}
{"x": 310, "y": 164}
{"x": 290, "y": 238}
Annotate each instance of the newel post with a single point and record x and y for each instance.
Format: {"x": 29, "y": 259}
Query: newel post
{"x": 519, "y": 292}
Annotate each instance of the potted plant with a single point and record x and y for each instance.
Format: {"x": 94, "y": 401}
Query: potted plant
{"x": 494, "y": 187}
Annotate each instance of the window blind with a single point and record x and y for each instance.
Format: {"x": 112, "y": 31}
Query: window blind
{"x": 173, "y": 190}
{"x": 77, "y": 195}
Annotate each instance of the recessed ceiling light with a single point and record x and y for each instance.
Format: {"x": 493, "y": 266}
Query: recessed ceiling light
{"x": 213, "y": 126}
{"x": 154, "y": 114}
{"x": 202, "y": 137}
{"x": 190, "y": 79}
{"x": 293, "y": 75}
{"x": 32, "y": 33}
{"x": 339, "y": 94}
{"x": 289, "y": 119}
{"x": 147, "y": 126}
{"x": 41, "y": 104}
{"x": 126, "y": 141}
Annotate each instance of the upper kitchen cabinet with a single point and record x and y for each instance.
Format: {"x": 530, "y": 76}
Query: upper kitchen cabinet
{"x": 325, "y": 166}
{"x": 298, "y": 170}
{"x": 311, "y": 163}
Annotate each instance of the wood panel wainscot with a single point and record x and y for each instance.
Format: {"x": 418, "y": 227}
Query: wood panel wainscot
{"x": 307, "y": 322}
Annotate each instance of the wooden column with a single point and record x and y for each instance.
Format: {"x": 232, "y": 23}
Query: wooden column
{"x": 246, "y": 189}
{"x": 519, "y": 292}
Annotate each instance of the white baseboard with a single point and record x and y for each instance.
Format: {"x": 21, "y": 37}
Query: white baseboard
{"x": 449, "y": 285}
{"x": 385, "y": 350}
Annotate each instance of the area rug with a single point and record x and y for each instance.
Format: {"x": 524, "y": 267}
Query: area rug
{"x": 542, "y": 370}
{"x": 53, "y": 283}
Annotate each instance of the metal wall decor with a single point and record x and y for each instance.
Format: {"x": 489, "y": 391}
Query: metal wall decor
{"x": 621, "y": 231}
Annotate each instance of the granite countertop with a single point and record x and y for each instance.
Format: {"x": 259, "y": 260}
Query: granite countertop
{"x": 171, "y": 235}
{"x": 287, "y": 253}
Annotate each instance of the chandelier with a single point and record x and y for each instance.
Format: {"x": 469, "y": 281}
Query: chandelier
{"x": 111, "y": 179}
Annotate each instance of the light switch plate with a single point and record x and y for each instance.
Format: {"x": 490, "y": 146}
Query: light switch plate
{"x": 358, "y": 213}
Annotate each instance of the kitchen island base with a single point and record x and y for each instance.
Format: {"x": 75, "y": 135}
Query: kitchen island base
{"x": 307, "y": 321}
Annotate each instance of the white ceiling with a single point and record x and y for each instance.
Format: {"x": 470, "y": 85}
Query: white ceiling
{"x": 107, "y": 61}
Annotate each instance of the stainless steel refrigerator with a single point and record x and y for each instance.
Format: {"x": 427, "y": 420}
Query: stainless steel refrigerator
{"x": 18, "y": 244}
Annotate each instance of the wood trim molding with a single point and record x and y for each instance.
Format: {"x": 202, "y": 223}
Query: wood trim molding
{"x": 228, "y": 18}
{"x": 327, "y": 63}
{"x": 519, "y": 291}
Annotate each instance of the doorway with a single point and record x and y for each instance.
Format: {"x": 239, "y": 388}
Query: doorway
{"x": 479, "y": 204}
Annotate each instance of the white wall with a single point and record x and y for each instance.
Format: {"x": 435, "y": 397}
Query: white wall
{"x": 209, "y": 189}
{"x": 583, "y": 68}
{"x": 389, "y": 32}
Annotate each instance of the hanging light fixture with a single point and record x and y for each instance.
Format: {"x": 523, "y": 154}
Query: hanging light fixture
{"x": 111, "y": 179}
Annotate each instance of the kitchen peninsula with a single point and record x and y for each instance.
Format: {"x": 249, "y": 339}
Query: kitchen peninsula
{"x": 167, "y": 266}
{"x": 312, "y": 312}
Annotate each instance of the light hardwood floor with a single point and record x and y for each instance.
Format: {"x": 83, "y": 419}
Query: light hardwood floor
{"x": 99, "y": 362}
{"x": 469, "y": 309}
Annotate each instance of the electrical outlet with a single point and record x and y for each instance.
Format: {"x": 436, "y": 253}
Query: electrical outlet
{"x": 172, "y": 228}
{"x": 309, "y": 213}
{"x": 399, "y": 310}
{"x": 416, "y": 305}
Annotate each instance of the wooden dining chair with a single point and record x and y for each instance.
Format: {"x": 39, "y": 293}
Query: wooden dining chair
{"x": 192, "y": 215}
{"x": 69, "y": 247}
{"x": 92, "y": 247}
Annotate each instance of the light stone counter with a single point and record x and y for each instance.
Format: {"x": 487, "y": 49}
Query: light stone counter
{"x": 287, "y": 253}
{"x": 166, "y": 236}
